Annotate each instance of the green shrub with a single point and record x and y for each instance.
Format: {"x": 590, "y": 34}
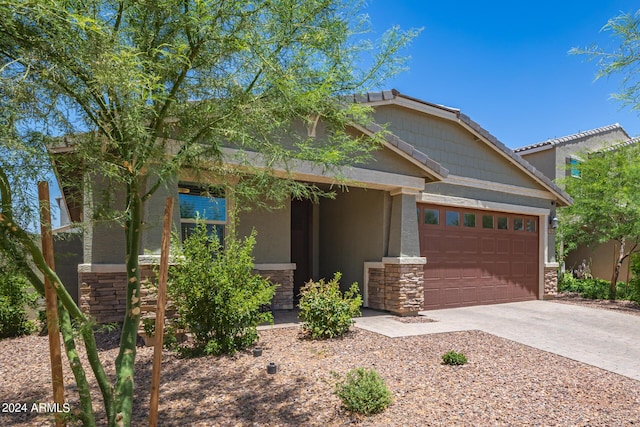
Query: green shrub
{"x": 634, "y": 282}
{"x": 453, "y": 358}
{"x": 364, "y": 391}
{"x": 15, "y": 298}
{"x": 217, "y": 296}
{"x": 325, "y": 311}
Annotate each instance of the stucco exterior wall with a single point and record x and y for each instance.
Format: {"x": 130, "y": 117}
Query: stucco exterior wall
{"x": 544, "y": 161}
{"x": 153, "y": 216}
{"x": 352, "y": 231}
{"x": 273, "y": 241}
{"x": 601, "y": 260}
{"x": 104, "y": 241}
{"x": 579, "y": 147}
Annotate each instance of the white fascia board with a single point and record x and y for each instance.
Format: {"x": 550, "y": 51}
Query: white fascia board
{"x": 462, "y": 202}
{"x": 309, "y": 171}
{"x": 417, "y": 106}
{"x": 535, "y": 150}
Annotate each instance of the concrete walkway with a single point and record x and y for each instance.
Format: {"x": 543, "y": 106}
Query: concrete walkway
{"x": 602, "y": 338}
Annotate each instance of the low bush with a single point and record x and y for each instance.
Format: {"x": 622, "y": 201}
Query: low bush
{"x": 15, "y": 298}
{"x": 595, "y": 288}
{"x": 218, "y": 297}
{"x": 325, "y": 311}
{"x": 453, "y": 358}
{"x": 364, "y": 391}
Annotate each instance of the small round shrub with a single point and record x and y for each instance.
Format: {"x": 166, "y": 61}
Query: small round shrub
{"x": 325, "y": 311}
{"x": 364, "y": 391}
{"x": 453, "y": 358}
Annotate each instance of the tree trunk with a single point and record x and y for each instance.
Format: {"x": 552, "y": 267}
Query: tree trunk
{"x": 126, "y": 358}
{"x": 616, "y": 271}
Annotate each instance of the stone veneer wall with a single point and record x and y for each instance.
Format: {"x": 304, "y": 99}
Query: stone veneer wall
{"x": 283, "y": 299}
{"x": 376, "y": 288}
{"x": 398, "y": 288}
{"x": 550, "y": 281}
{"x": 102, "y": 294}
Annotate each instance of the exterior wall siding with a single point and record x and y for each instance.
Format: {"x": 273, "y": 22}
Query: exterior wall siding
{"x": 452, "y": 146}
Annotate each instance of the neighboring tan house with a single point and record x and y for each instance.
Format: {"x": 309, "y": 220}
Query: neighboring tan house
{"x": 558, "y": 158}
{"x": 444, "y": 215}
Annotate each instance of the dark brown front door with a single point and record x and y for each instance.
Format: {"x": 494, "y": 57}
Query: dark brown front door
{"x": 301, "y": 243}
{"x": 477, "y": 257}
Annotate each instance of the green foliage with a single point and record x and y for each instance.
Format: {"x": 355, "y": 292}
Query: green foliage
{"x": 453, "y": 358}
{"x": 634, "y": 282}
{"x": 15, "y": 297}
{"x": 593, "y": 288}
{"x": 325, "y": 311}
{"x": 217, "y": 296}
{"x": 606, "y": 204}
{"x": 364, "y": 391}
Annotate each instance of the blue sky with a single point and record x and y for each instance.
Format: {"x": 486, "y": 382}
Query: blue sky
{"x": 506, "y": 63}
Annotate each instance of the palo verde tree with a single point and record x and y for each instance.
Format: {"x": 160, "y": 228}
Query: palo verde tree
{"x": 616, "y": 199}
{"x": 140, "y": 89}
{"x": 606, "y": 204}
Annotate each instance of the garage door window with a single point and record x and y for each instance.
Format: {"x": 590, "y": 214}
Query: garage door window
{"x": 487, "y": 221}
{"x": 453, "y": 218}
{"x": 469, "y": 220}
{"x": 531, "y": 225}
{"x": 518, "y": 224}
{"x": 431, "y": 216}
{"x": 503, "y": 223}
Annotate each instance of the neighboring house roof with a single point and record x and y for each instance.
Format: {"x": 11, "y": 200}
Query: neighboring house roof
{"x": 395, "y": 97}
{"x": 550, "y": 143}
{"x": 631, "y": 141}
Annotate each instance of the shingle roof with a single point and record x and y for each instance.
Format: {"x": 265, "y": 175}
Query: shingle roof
{"x": 487, "y": 136}
{"x": 575, "y": 136}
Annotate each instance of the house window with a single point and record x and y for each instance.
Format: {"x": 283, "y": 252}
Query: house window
{"x": 208, "y": 205}
{"x": 431, "y": 216}
{"x": 469, "y": 220}
{"x": 574, "y": 167}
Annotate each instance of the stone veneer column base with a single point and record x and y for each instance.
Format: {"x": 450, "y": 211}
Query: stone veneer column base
{"x": 398, "y": 286}
{"x": 550, "y": 281}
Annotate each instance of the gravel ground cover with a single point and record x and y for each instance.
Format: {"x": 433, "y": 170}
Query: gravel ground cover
{"x": 504, "y": 383}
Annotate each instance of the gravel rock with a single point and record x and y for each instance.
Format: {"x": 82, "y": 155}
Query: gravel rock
{"x": 503, "y": 384}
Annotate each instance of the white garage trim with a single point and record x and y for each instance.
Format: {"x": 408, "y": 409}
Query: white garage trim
{"x": 462, "y": 202}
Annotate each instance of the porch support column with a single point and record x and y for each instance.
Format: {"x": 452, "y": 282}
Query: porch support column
{"x": 402, "y": 291}
{"x": 403, "y": 232}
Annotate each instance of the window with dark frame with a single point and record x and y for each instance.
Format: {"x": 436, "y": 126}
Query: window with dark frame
{"x": 206, "y": 204}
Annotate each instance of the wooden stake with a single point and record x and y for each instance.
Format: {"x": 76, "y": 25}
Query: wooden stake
{"x": 160, "y": 306}
{"x": 55, "y": 352}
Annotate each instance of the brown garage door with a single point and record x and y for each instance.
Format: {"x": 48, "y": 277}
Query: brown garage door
{"x": 477, "y": 257}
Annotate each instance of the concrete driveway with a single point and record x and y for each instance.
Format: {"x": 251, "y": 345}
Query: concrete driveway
{"x": 602, "y": 338}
